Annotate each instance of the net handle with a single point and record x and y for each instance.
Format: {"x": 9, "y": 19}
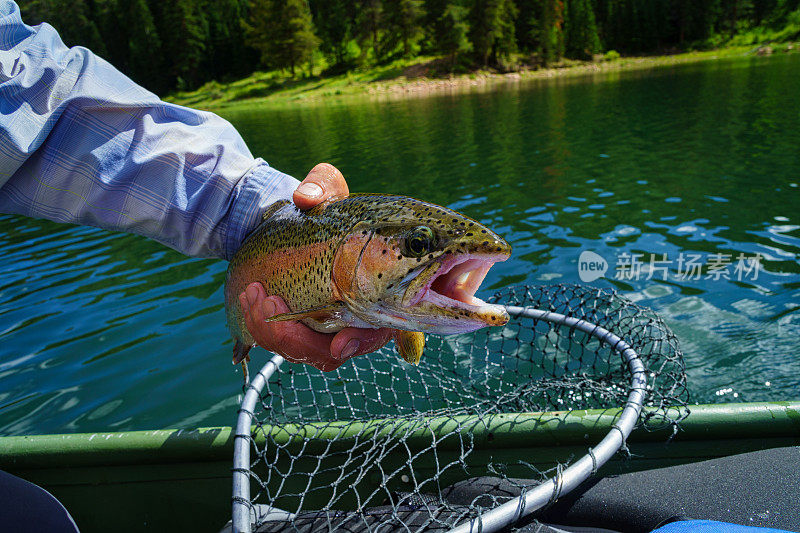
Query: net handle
{"x": 242, "y": 508}
{"x": 566, "y": 480}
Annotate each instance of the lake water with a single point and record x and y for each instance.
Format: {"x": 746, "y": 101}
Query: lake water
{"x": 103, "y": 331}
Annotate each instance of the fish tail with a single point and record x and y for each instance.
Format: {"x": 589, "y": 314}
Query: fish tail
{"x": 240, "y": 351}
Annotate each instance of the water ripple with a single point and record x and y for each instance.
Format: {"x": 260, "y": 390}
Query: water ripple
{"x": 108, "y": 331}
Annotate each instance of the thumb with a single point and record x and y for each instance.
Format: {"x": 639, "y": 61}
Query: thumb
{"x": 323, "y": 182}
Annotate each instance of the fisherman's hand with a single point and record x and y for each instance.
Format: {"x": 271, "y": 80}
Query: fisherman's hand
{"x": 294, "y": 340}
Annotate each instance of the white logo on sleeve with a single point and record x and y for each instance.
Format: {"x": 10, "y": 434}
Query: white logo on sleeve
{"x": 591, "y": 266}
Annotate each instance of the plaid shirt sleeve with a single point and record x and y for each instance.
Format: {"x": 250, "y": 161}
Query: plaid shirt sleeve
{"x": 82, "y": 143}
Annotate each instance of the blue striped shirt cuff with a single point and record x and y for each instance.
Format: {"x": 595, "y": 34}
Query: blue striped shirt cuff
{"x": 260, "y": 188}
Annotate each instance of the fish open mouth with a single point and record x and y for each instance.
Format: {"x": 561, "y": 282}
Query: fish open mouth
{"x": 457, "y": 280}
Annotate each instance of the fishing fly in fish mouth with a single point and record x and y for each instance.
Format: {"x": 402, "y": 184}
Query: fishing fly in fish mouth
{"x": 369, "y": 261}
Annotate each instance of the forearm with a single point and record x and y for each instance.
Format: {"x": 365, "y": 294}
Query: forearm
{"x": 81, "y": 143}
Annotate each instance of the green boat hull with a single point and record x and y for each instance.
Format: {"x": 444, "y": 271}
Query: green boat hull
{"x": 181, "y": 479}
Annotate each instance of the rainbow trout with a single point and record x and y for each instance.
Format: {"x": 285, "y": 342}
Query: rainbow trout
{"x": 369, "y": 261}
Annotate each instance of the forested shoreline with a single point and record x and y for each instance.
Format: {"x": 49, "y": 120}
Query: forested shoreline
{"x": 182, "y": 44}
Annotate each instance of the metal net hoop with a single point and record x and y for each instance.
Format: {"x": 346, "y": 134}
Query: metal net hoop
{"x": 653, "y": 381}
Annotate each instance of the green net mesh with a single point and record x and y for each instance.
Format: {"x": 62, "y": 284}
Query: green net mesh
{"x": 380, "y": 445}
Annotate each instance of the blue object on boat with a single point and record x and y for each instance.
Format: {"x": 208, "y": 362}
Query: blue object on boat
{"x": 711, "y": 526}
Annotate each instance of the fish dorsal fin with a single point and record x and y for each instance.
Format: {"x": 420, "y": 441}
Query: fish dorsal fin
{"x": 272, "y": 208}
{"x": 410, "y": 345}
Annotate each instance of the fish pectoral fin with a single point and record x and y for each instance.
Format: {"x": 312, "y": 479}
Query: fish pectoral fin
{"x": 410, "y": 345}
{"x": 320, "y": 314}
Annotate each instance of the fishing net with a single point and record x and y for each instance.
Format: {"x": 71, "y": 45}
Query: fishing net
{"x": 380, "y": 445}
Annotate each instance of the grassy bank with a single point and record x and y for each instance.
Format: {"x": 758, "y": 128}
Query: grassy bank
{"x": 419, "y": 77}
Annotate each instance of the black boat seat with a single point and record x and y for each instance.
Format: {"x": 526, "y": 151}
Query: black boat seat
{"x": 28, "y": 508}
{"x": 759, "y": 489}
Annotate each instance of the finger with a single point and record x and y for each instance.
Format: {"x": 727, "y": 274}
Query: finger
{"x": 351, "y": 342}
{"x": 251, "y": 299}
{"x": 243, "y": 303}
{"x": 291, "y": 339}
{"x": 252, "y": 294}
{"x": 295, "y": 341}
{"x": 323, "y": 182}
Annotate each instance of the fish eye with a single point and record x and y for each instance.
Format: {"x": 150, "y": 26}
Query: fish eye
{"x": 418, "y": 242}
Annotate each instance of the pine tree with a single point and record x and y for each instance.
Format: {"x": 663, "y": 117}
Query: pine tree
{"x": 183, "y": 30}
{"x": 737, "y": 10}
{"x": 527, "y": 24}
{"x": 402, "y": 22}
{"x": 434, "y": 9}
{"x": 696, "y": 19}
{"x": 282, "y": 31}
{"x": 492, "y": 29}
{"x": 74, "y": 20}
{"x": 762, "y": 9}
{"x": 334, "y": 22}
{"x": 368, "y": 27}
{"x": 451, "y": 32}
{"x": 580, "y": 30}
{"x": 226, "y": 54}
{"x": 551, "y": 40}
{"x": 655, "y": 24}
{"x": 163, "y": 44}
{"x": 133, "y": 42}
